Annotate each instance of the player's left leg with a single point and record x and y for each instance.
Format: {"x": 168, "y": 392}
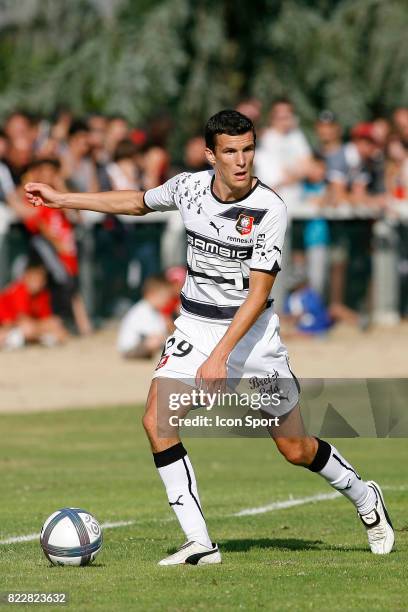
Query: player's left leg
{"x": 176, "y": 471}
{"x": 324, "y": 459}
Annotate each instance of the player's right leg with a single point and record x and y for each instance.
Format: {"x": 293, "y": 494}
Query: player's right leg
{"x": 324, "y": 459}
{"x": 177, "y": 474}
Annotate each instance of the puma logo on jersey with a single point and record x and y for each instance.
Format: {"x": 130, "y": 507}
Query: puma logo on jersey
{"x": 275, "y": 248}
{"x": 177, "y": 502}
{"x": 212, "y": 224}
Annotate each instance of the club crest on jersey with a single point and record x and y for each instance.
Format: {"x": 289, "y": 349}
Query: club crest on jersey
{"x": 244, "y": 224}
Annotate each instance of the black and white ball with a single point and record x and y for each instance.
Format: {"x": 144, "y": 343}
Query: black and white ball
{"x": 71, "y": 536}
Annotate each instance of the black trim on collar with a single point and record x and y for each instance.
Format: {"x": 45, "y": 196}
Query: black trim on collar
{"x": 257, "y": 182}
{"x": 270, "y": 189}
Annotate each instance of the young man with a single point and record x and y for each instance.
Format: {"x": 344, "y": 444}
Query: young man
{"x": 227, "y": 328}
{"x": 53, "y": 238}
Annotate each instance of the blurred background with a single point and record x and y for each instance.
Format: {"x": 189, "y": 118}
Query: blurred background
{"x": 114, "y": 94}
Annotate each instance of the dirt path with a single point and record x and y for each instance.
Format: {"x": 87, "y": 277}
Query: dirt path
{"x": 89, "y": 373}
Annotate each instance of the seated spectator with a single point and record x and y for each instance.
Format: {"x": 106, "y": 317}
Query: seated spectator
{"x": 25, "y": 311}
{"x": 304, "y": 307}
{"x": 306, "y": 312}
{"x": 53, "y": 239}
{"x": 144, "y": 328}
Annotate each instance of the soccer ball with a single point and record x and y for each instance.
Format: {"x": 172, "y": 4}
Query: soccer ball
{"x": 71, "y": 536}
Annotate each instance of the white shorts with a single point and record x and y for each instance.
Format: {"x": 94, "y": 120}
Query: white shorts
{"x": 259, "y": 362}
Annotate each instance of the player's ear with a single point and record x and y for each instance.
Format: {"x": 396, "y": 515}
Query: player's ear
{"x": 209, "y": 154}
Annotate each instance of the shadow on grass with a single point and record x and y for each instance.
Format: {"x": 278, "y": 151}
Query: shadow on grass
{"x": 245, "y": 545}
{"x": 76, "y": 567}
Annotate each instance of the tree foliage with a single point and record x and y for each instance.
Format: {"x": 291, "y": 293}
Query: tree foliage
{"x": 192, "y": 57}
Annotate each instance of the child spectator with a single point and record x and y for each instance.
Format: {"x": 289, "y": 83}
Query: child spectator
{"x": 316, "y": 235}
{"x": 310, "y": 239}
{"x": 305, "y": 310}
{"x": 25, "y": 311}
{"x": 304, "y": 307}
{"x": 144, "y": 328}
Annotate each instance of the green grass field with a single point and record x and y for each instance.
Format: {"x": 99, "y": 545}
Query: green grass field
{"x": 308, "y": 556}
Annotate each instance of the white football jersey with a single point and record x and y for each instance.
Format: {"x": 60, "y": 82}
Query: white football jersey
{"x": 225, "y": 241}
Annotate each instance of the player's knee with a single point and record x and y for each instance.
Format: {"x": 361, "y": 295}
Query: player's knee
{"x": 293, "y": 451}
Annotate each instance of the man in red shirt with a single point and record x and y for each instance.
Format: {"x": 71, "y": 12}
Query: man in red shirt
{"x": 25, "y": 311}
{"x": 54, "y": 241}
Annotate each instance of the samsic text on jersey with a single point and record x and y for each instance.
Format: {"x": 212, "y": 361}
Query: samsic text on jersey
{"x": 225, "y": 241}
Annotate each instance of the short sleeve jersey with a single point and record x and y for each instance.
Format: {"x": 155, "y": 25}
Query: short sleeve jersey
{"x": 225, "y": 240}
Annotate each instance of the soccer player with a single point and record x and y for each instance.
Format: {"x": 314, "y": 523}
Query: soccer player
{"x": 227, "y": 328}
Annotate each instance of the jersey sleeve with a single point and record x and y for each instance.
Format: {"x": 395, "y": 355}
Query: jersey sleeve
{"x": 166, "y": 196}
{"x": 268, "y": 240}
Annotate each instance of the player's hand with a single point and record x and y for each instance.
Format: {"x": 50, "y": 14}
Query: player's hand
{"x": 212, "y": 374}
{"x": 39, "y": 194}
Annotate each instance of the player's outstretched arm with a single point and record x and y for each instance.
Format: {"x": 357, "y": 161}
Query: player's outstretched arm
{"x": 113, "y": 202}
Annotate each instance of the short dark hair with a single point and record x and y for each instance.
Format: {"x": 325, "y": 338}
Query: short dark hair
{"x": 229, "y": 122}
{"x": 281, "y": 100}
{"x": 76, "y": 127}
{"x": 34, "y": 261}
{"x": 157, "y": 281}
{"x": 43, "y": 161}
{"x": 125, "y": 149}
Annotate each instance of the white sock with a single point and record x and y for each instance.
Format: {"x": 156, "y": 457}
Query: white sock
{"x": 330, "y": 464}
{"x": 178, "y": 477}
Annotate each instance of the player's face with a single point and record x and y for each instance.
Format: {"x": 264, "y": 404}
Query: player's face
{"x": 233, "y": 159}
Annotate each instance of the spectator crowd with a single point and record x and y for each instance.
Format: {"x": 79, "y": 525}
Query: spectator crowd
{"x": 63, "y": 272}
